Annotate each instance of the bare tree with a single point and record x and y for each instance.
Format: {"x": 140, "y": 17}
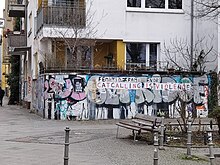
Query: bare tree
{"x": 77, "y": 31}
{"x": 178, "y": 55}
{"x": 207, "y": 8}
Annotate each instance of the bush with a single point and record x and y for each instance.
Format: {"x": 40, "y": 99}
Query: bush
{"x": 215, "y": 113}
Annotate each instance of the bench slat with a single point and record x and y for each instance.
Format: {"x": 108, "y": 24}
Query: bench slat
{"x": 143, "y": 123}
{"x": 148, "y": 118}
{"x": 132, "y": 127}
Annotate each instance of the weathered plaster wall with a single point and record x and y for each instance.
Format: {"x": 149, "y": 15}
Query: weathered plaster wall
{"x": 105, "y": 96}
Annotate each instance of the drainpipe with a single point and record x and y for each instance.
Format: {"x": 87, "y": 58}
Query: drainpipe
{"x": 191, "y": 35}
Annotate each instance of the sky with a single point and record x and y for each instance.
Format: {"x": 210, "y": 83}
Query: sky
{"x": 2, "y": 5}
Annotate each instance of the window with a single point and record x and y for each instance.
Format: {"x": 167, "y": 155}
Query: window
{"x": 81, "y": 57}
{"x": 141, "y": 55}
{"x": 175, "y": 4}
{"x": 153, "y": 56}
{"x": 71, "y": 58}
{"x": 155, "y": 3}
{"x": 133, "y": 3}
{"x": 64, "y": 2}
{"x": 135, "y": 55}
{"x": 30, "y": 24}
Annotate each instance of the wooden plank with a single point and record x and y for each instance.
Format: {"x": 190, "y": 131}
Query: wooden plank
{"x": 148, "y": 118}
{"x": 132, "y": 127}
{"x": 146, "y": 128}
{"x": 143, "y": 122}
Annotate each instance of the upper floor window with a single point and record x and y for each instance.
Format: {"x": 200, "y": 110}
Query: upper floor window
{"x": 133, "y": 3}
{"x": 175, "y": 4}
{"x": 155, "y": 3}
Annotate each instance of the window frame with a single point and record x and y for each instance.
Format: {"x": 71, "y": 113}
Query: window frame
{"x": 155, "y": 10}
{"x": 135, "y": 6}
{"x": 147, "y": 56}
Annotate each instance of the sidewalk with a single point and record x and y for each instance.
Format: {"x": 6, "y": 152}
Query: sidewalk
{"x": 27, "y": 139}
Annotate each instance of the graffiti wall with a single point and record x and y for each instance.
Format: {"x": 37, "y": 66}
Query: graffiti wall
{"x": 86, "y": 97}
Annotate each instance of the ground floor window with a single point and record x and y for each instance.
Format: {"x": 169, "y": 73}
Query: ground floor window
{"x": 80, "y": 58}
{"x": 141, "y": 55}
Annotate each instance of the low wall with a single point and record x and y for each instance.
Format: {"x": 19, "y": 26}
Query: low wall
{"x": 111, "y": 96}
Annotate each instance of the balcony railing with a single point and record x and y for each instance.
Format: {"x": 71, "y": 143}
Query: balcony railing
{"x": 16, "y": 40}
{"x": 157, "y": 66}
{"x": 135, "y": 67}
{"x": 69, "y": 15}
{"x": 16, "y": 8}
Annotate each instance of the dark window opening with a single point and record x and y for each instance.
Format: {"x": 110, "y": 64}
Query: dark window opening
{"x": 135, "y": 55}
{"x": 133, "y": 3}
{"x": 65, "y": 2}
{"x": 175, "y": 4}
{"x": 136, "y": 52}
{"x": 155, "y": 3}
{"x": 153, "y": 56}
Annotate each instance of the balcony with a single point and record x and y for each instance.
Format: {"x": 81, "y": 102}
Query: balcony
{"x": 71, "y": 15}
{"x": 161, "y": 67}
{"x": 16, "y": 8}
{"x": 155, "y": 66}
{"x": 16, "y": 41}
{"x": 6, "y": 60}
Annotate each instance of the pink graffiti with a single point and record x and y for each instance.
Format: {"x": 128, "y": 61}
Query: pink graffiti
{"x": 46, "y": 85}
{"x": 63, "y": 90}
{"x": 78, "y": 96}
{"x": 67, "y": 91}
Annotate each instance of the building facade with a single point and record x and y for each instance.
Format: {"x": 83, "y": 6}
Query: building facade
{"x": 110, "y": 59}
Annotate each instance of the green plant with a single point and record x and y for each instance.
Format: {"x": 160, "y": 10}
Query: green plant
{"x": 13, "y": 80}
{"x": 17, "y": 25}
{"x": 215, "y": 113}
{"x": 194, "y": 158}
{"x": 213, "y": 95}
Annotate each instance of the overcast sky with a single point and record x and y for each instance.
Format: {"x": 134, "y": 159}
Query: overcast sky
{"x": 2, "y": 5}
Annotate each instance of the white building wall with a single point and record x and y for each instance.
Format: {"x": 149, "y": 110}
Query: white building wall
{"x": 116, "y": 21}
{"x": 219, "y": 40}
{"x": 29, "y": 59}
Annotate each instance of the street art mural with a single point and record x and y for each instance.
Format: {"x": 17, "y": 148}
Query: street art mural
{"x": 87, "y": 97}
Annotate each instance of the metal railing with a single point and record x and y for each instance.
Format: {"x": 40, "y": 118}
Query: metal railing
{"x": 15, "y": 2}
{"x": 156, "y": 66}
{"x": 135, "y": 67}
{"x": 71, "y": 15}
{"x": 16, "y": 40}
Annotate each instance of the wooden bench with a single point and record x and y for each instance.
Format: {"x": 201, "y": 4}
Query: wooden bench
{"x": 197, "y": 123}
{"x": 140, "y": 123}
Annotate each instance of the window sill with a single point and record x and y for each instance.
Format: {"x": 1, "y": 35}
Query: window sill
{"x": 154, "y": 10}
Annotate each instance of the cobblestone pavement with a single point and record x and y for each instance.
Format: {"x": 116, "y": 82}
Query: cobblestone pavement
{"x": 27, "y": 139}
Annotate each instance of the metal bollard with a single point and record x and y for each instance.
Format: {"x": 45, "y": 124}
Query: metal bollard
{"x": 66, "y": 144}
{"x": 189, "y": 137}
{"x": 211, "y": 124}
{"x": 155, "y": 156}
{"x": 210, "y": 143}
{"x": 156, "y": 144}
{"x": 161, "y": 147}
{"x": 156, "y": 137}
{"x": 205, "y": 137}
